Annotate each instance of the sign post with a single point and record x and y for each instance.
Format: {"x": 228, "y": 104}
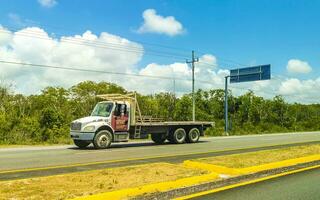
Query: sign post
{"x": 226, "y": 105}
{"x": 255, "y": 73}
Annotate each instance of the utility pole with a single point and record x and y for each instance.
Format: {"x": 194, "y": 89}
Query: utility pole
{"x": 174, "y": 96}
{"x": 174, "y": 86}
{"x": 194, "y": 60}
{"x": 226, "y": 128}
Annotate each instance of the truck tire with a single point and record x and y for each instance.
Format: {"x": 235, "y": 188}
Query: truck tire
{"x": 193, "y": 135}
{"x": 179, "y": 136}
{"x": 81, "y": 143}
{"x": 158, "y": 138}
{"x": 102, "y": 140}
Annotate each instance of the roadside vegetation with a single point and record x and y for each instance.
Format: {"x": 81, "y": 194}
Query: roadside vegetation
{"x": 93, "y": 182}
{"x": 44, "y": 118}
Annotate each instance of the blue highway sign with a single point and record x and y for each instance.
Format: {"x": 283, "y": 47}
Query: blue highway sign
{"x": 256, "y": 73}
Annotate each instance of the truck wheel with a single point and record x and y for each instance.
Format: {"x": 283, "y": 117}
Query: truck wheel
{"x": 158, "y": 138}
{"x": 102, "y": 139}
{"x": 81, "y": 143}
{"x": 179, "y": 136}
{"x": 193, "y": 135}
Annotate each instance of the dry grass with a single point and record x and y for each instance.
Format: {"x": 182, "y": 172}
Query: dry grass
{"x": 27, "y": 145}
{"x": 92, "y": 182}
{"x": 262, "y": 157}
{"x": 11, "y": 145}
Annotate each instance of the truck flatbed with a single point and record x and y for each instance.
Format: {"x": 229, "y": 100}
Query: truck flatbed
{"x": 175, "y": 123}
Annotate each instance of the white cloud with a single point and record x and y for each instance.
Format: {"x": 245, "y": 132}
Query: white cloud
{"x": 154, "y": 23}
{"x": 305, "y": 91}
{"x": 290, "y": 86}
{"x": 298, "y": 87}
{"x": 298, "y": 66}
{"x": 5, "y": 36}
{"x": 70, "y": 51}
{"x": 47, "y": 3}
{"x": 60, "y": 52}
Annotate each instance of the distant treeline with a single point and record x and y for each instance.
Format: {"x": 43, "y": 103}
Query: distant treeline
{"x": 45, "y": 118}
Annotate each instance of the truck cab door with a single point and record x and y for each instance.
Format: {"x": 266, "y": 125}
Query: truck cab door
{"x": 120, "y": 118}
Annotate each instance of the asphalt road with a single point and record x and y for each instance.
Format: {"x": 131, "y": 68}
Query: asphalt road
{"x": 34, "y": 157}
{"x": 301, "y": 186}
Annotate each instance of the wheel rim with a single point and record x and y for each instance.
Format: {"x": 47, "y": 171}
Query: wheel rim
{"x": 103, "y": 141}
{"x": 194, "y": 134}
{"x": 180, "y": 135}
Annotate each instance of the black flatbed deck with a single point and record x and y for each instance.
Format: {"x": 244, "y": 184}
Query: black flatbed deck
{"x": 176, "y": 123}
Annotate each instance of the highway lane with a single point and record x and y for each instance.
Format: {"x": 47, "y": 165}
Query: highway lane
{"x": 301, "y": 186}
{"x": 34, "y": 157}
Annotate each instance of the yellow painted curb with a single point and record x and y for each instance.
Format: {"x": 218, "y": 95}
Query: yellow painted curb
{"x": 238, "y": 171}
{"x": 212, "y": 168}
{"x": 279, "y": 164}
{"x": 156, "y": 187}
{"x": 245, "y": 183}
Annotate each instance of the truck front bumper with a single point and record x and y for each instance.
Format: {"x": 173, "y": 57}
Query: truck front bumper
{"x": 82, "y": 135}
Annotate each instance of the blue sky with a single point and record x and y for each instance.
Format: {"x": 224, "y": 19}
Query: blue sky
{"x": 248, "y": 32}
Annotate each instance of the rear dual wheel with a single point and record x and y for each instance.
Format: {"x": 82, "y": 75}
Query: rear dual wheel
{"x": 193, "y": 135}
{"x": 158, "y": 138}
{"x": 179, "y": 136}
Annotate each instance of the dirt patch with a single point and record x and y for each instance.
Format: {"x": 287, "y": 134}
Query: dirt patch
{"x": 262, "y": 157}
{"x": 92, "y": 182}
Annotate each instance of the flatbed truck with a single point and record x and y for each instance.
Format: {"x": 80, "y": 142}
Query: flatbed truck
{"x": 118, "y": 118}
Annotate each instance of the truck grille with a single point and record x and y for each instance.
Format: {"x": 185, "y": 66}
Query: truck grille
{"x": 75, "y": 126}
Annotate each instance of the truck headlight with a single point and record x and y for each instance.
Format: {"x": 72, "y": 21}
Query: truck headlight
{"x": 89, "y": 128}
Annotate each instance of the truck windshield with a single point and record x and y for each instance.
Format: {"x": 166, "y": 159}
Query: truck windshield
{"x": 102, "y": 109}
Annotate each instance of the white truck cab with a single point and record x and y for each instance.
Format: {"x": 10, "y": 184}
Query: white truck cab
{"x": 106, "y": 118}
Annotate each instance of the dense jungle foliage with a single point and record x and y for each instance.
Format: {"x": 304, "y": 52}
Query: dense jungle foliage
{"x": 45, "y": 118}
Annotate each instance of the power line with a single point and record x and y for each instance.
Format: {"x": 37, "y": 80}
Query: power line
{"x": 208, "y": 64}
{"x": 119, "y": 47}
{"x": 83, "y": 70}
{"x": 116, "y": 46}
{"x": 184, "y": 50}
{"x": 139, "y": 75}
{"x": 100, "y": 71}
{"x": 227, "y": 60}
{"x": 137, "y": 41}
{"x": 96, "y": 71}
{"x": 98, "y": 44}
